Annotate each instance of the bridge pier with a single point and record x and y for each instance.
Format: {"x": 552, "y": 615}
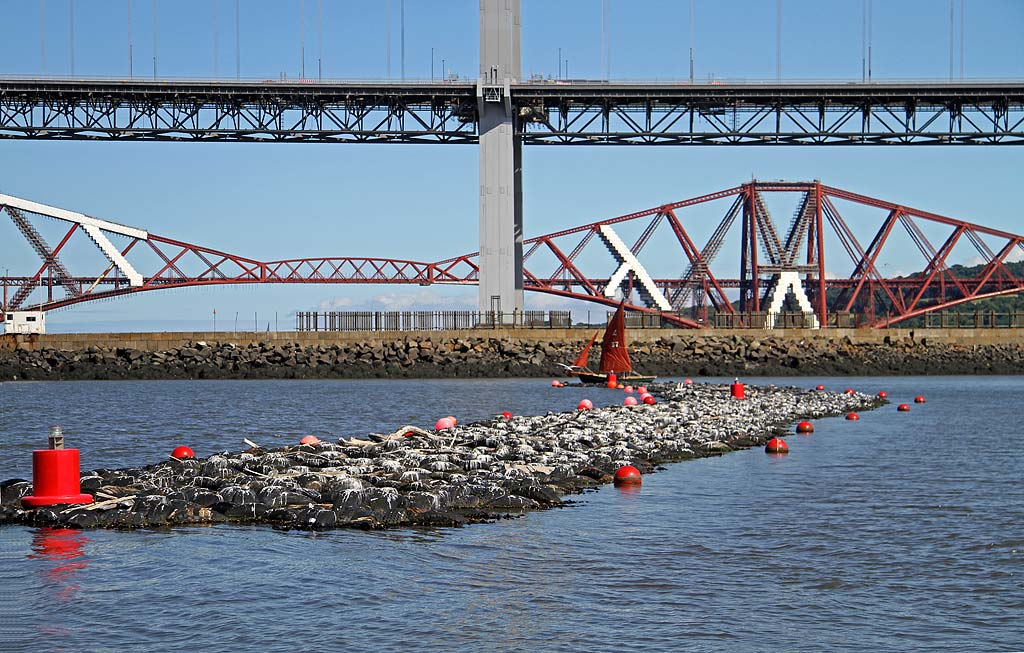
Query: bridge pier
{"x": 501, "y": 160}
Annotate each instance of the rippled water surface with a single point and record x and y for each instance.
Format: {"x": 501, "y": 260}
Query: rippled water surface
{"x": 898, "y": 532}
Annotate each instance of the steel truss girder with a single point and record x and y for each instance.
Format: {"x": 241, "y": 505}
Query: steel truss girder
{"x": 937, "y": 286}
{"x": 547, "y": 112}
{"x": 921, "y": 113}
{"x": 241, "y": 112}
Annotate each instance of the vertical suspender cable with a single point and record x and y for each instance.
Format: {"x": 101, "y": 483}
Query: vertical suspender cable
{"x": 42, "y": 36}
{"x": 131, "y": 44}
{"x": 692, "y": 32}
{"x": 71, "y": 34}
{"x": 952, "y": 58}
{"x": 154, "y": 39}
{"x": 864, "y": 41}
{"x": 778, "y": 40}
{"x": 871, "y": 20}
{"x": 962, "y": 39}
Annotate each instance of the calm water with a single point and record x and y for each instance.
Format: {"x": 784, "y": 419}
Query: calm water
{"x": 898, "y": 532}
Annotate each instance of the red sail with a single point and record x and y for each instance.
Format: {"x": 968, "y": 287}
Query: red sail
{"x": 581, "y": 360}
{"x": 614, "y": 355}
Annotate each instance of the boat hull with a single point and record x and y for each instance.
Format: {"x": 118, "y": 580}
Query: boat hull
{"x": 597, "y": 378}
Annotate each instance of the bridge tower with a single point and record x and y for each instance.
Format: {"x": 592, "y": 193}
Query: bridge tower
{"x": 501, "y": 159}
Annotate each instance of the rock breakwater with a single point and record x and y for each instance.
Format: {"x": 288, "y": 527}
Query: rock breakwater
{"x": 443, "y": 356}
{"x": 414, "y": 477}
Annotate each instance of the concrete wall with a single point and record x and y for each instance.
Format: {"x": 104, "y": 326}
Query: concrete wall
{"x": 168, "y": 340}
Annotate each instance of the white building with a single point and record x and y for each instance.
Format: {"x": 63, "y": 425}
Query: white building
{"x": 25, "y": 322}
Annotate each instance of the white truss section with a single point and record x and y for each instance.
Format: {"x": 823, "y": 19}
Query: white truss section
{"x": 92, "y": 226}
{"x": 628, "y": 262}
{"x": 789, "y": 280}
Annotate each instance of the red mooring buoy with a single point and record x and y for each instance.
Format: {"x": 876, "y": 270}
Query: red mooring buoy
{"x": 585, "y": 404}
{"x": 629, "y": 401}
{"x": 183, "y": 452}
{"x": 628, "y": 475}
{"x": 444, "y": 423}
{"x": 309, "y": 439}
{"x": 687, "y": 381}
{"x": 903, "y": 408}
{"x": 853, "y": 417}
{"x": 507, "y": 415}
{"x": 556, "y": 384}
{"x": 805, "y": 427}
{"x": 776, "y": 445}
{"x": 883, "y": 394}
{"x": 613, "y": 381}
{"x": 737, "y": 390}
{"x": 55, "y": 475}
{"x": 649, "y": 400}
{"x": 819, "y": 387}
{"x": 848, "y": 391}
{"x": 919, "y": 399}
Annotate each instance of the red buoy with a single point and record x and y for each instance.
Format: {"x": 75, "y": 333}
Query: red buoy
{"x": 852, "y": 417}
{"x": 628, "y": 475}
{"x": 613, "y": 381}
{"x": 649, "y": 400}
{"x": 444, "y": 423}
{"x": 585, "y": 404}
{"x": 556, "y": 384}
{"x": 883, "y": 394}
{"x": 507, "y": 415}
{"x": 628, "y": 389}
{"x": 903, "y": 408}
{"x": 776, "y": 445}
{"x": 805, "y": 427}
{"x": 183, "y": 452}
{"x": 819, "y": 387}
{"x": 848, "y": 391}
{"x": 688, "y": 382}
{"x": 629, "y": 401}
{"x": 919, "y": 399}
{"x": 642, "y": 390}
{"x": 737, "y": 390}
{"x": 309, "y": 439}
{"x": 55, "y": 475}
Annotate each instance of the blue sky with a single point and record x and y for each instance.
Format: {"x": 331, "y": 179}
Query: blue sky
{"x": 420, "y": 202}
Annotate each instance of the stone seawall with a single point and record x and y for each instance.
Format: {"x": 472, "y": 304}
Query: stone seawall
{"x": 499, "y": 354}
{"x": 162, "y": 341}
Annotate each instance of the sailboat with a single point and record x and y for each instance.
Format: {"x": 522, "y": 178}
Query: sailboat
{"x": 614, "y": 356}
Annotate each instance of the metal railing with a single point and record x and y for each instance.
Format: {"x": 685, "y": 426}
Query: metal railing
{"x": 428, "y": 320}
{"x": 750, "y": 320}
{"x": 972, "y": 320}
{"x": 464, "y": 320}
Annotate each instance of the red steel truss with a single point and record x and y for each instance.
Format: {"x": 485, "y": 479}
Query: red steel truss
{"x": 936, "y": 277}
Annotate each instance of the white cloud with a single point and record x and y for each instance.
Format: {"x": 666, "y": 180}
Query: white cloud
{"x": 421, "y": 300}
{"x": 335, "y": 303}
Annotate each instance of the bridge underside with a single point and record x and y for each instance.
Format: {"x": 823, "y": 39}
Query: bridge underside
{"x": 543, "y": 112}
{"x": 838, "y": 245}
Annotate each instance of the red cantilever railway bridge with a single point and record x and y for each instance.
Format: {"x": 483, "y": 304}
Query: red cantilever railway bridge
{"x": 834, "y": 257}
